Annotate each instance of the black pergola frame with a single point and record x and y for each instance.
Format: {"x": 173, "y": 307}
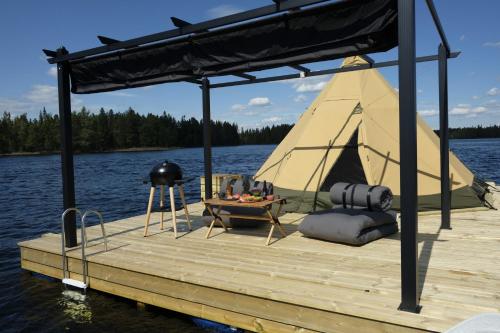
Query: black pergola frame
{"x": 406, "y": 63}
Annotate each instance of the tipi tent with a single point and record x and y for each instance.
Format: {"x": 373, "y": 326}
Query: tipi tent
{"x": 351, "y": 133}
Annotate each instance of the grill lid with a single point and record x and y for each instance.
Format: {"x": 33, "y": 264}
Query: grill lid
{"x": 165, "y": 173}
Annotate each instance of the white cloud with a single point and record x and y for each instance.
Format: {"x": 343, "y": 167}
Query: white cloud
{"x": 462, "y": 38}
{"x": 466, "y": 109}
{"x": 36, "y": 99}
{"x": 274, "y": 119}
{"x": 223, "y": 10}
{"x": 259, "y": 101}
{"x": 52, "y": 71}
{"x": 420, "y": 91}
{"x": 42, "y": 94}
{"x": 479, "y": 109}
{"x": 476, "y": 97}
{"x": 460, "y": 109}
{"x": 238, "y": 107}
{"x": 14, "y": 106}
{"x": 428, "y": 112}
{"x": 300, "y": 98}
{"x": 251, "y": 108}
{"x": 310, "y": 87}
{"x": 493, "y": 91}
{"x": 308, "y": 84}
{"x": 492, "y": 44}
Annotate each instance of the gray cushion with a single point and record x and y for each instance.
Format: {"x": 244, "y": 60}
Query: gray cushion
{"x": 349, "y": 226}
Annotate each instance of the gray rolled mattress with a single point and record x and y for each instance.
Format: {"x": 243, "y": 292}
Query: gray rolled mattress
{"x": 374, "y": 198}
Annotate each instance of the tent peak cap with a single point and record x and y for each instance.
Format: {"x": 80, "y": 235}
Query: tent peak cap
{"x": 353, "y": 61}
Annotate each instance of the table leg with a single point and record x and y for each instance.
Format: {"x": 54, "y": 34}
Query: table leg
{"x": 183, "y": 198}
{"x": 275, "y": 222}
{"x": 282, "y": 231}
{"x": 270, "y": 234}
{"x": 150, "y": 206}
{"x": 280, "y": 228}
{"x": 215, "y": 218}
{"x": 220, "y": 219}
{"x": 210, "y": 228}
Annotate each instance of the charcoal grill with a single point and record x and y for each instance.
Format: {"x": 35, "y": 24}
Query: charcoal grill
{"x": 166, "y": 174}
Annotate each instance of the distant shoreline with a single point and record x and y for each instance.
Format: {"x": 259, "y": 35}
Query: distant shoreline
{"x": 122, "y": 150}
{"x": 147, "y": 149}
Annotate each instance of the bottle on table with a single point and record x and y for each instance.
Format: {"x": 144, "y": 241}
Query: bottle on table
{"x": 229, "y": 190}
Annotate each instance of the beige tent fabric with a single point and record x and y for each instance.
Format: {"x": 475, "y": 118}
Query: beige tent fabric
{"x": 306, "y": 155}
{"x": 351, "y": 100}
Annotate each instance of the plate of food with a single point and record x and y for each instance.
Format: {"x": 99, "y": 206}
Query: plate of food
{"x": 246, "y": 198}
{"x": 233, "y": 197}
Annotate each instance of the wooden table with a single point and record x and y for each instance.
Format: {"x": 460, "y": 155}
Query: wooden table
{"x": 265, "y": 204}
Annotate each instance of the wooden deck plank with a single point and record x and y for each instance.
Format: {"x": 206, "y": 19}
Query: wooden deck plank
{"x": 296, "y": 283}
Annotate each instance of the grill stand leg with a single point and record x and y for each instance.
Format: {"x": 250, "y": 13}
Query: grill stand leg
{"x": 172, "y": 207}
{"x": 183, "y": 199}
{"x": 150, "y": 206}
{"x": 162, "y": 204}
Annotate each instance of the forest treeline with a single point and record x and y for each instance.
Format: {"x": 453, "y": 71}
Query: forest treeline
{"x": 475, "y": 132}
{"x": 478, "y": 132}
{"x": 108, "y": 130}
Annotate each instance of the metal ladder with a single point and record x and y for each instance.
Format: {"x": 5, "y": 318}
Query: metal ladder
{"x": 84, "y": 242}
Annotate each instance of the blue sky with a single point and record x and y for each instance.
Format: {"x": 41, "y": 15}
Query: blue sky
{"x": 28, "y": 83}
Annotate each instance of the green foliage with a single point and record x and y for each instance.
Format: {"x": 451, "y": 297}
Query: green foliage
{"x": 265, "y": 135}
{"x": 107, "y": 130}
{"x": 478, "y": 132}
{"x": 475, "y": 132}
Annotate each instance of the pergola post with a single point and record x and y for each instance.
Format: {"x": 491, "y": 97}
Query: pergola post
{"x": 408, "y": 155}
{"x": 68, "y": 181}
{"x": 443, "y": 137}
{"x": 207, "y": 137}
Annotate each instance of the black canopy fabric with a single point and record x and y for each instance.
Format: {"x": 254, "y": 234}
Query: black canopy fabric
{"x": 351, "y": 27}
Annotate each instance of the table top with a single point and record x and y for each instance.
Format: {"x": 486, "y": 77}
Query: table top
{"x": 235, "y": 203}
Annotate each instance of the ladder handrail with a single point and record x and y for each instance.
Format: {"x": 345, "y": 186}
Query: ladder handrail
{"x": 101, "y": 221}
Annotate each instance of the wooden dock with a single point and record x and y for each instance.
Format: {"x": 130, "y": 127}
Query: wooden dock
{"x": 295, "y": 284}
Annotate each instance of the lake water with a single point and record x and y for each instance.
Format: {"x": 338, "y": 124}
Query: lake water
{"x": 31, "y": 204}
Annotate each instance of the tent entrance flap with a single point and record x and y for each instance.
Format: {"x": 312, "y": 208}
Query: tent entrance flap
{"x": 347, "y": 168}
